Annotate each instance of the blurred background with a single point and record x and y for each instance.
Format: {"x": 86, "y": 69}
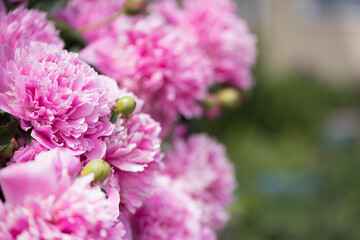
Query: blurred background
{"x": 295, "y": 139}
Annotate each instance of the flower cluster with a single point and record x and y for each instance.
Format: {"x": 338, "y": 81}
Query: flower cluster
{"x": 133, "y": 150}
{"x": 202, "y": 161}
{"x": 196, "y": 186}
{"x": 219, "y": 33}
{"x": 158, "y": 62}
{"x": 45, "y": 200}
{"x": 80, "y": 149}
{"x": 169, "y": 57}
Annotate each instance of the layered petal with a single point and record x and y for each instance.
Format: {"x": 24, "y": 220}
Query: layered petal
{"x": 202, "y": 161}
{"x": 156, "y": 61}
{"x": 64, "y": 101}
{"x": 23, "y": 23}
{"x": 45, "y": 200}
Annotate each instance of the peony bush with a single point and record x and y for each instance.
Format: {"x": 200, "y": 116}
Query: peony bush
{"x": 94, "y": 144}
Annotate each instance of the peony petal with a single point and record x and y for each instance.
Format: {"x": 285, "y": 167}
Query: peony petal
{"x": 28, "y": 179}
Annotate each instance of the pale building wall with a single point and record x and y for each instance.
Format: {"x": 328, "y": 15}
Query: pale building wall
{"x": 294, "y": 36}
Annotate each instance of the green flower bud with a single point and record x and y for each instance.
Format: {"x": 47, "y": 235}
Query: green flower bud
{"x": 125, "y": 106}
{"x": 99, "y": 167}
{"x": 133, "y": 7}
{"x": 228, "y": 97}
{"x": 10, "y": 149}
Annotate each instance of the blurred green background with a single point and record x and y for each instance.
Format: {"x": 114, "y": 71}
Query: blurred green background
{"x": 295, "y": 139}
{"x": 295, "y": 144}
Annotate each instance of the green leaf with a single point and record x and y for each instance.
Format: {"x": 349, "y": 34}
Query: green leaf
{"x": 47, "y": 5}
{"x": 5, "y": 118}
{"x": 113, "y": 117}
{"x": 7, "y": 133}
{"x": 71, "y": 36}
{"x": 3, "y": 147}
{"x": 26, "y": 135}
{"x": 2, "y": 198}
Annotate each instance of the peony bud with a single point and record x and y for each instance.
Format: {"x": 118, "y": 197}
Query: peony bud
{"x": 99, "y": 167}
{"x": 228, "y": 97}
{"x": 8, "y": 152}
{"x": 125, "y": 106}
{"x": 133, "y": 7}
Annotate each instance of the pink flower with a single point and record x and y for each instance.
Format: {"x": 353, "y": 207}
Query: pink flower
{"x": 220, "y": 33}
{"x": 125, "y": 220}
{"x": 135, "y": 187}
{"x": 133, "y": 150}
{"x": 156, "y": 61}
{"x": 81, "y": 14}
{"x": 168, "y": 215}
{"x": 201, "y": 168}
{"x": 208, "y": 234}
{"x": 60, "y": 97}
{"x": 28, "y": 153}
{"x": 27, "y": 24}
{"x": 45, "y": 200}
{"x": 2, "y": 10}
{"x": 170, "y": 9}
{"x": 224, "y": 37}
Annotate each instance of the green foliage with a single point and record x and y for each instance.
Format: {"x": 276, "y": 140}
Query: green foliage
{"x": 25, "y": 135}
{"x": 8, "y": 126}
{"x": 113, "y": 117}
{"x": 47, "y": 5}
{"x": 291, "y": 184}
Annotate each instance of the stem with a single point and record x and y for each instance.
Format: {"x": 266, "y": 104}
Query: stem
{"x": 105, "y": 21}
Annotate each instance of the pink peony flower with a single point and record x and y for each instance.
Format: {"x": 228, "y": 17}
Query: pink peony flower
{"x": 220, "y": 33}
{"x": 168, "y": 215}
{"x": 27, "y": 24}
{"x": 28, "y": 153}
{"x": 169, "y": 9}
{"x": 125, "y": 220}
{"x": 200, "y": 167}
{"x": 2, "y": 10}
{"x": 156, "y": 61}
{"x": 208, "y": 234}
{"x": 45, "y": 200}
{"x": 60, "y": 97}
{"x": 224, "y": 37}
{"x": 133, "y": 150}
{"x": 83, "y": 14}
{"x": 135, "y": 187}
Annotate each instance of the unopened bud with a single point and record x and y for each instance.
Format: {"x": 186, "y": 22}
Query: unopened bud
{"x": 10, "y": 149}
{"x": 133, "y": 7}
{"x": 125, "y": 106}
{"x": 228, "y": 97}
{"x": 99, "y": 167}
